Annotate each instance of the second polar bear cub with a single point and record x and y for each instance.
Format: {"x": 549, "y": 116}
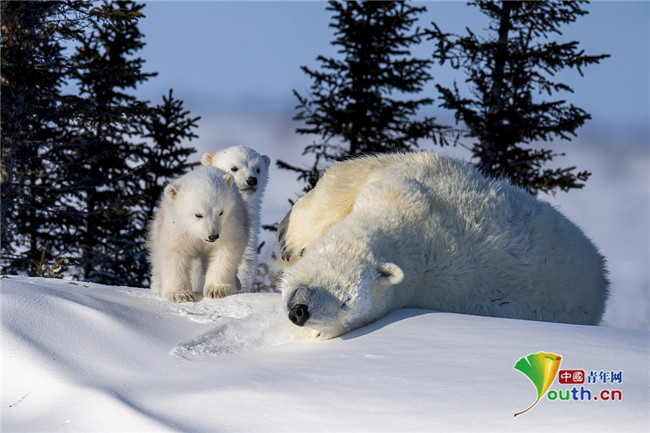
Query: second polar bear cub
{"x": 251, "y": 173}
{"x": 201, "y": 216}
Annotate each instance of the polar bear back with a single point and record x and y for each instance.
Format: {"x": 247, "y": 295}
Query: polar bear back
{"x": 490, "y": 235}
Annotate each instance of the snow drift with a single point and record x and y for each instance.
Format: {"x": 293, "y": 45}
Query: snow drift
{"x": 85, "y": 357}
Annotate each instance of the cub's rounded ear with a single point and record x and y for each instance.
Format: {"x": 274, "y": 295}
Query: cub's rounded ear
{"x": 267, "y": 160}
{"x": 206, "y": 158}
{"x": 229, "y": 178}
{"x": 390, "y": 274}
{"x": 171, "y": 191}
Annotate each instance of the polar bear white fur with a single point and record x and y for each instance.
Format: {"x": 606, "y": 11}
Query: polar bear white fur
{"x": 423, "y": 230}
{"x": 251, "y": 172}
{"x": 203, "y": 218}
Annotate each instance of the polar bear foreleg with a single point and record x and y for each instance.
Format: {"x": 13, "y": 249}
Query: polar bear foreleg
{"x": 221, "y": 274}
{"x": 310, "y": 218}
{"x": 175, "y": 282}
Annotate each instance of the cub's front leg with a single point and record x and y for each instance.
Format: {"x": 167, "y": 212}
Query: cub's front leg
{"x": 175, "y": 279}
{"x": 221, "y": 273}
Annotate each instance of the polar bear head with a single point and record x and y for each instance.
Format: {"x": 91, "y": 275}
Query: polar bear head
{"x": 336, "y": 287}
{"x": 200, "y": 200}
{"x": 249, "y": 168}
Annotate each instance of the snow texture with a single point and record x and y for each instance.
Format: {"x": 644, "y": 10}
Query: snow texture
{"x": 85, "y": 357}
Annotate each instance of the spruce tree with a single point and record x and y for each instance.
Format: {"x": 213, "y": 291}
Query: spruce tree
{"x": 168, "y": 126}
{"x": 358, "y": 104}
{"x": 78, "y": 179}
{"x": 34, "y": 117}
{"x": 105, "y": 161}
{"x": 510, "y": 73}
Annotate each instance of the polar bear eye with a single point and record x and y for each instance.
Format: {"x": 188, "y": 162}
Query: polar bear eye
{"x": 198, "y": 215}
{"x": 258, "y": 171}
{"x": 234, "y": 169}
{"x": 220, "y": 213}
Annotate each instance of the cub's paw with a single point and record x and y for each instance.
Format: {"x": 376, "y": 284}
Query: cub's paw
{"x": 215, "y": 291}
{"x": 179, "y": 297}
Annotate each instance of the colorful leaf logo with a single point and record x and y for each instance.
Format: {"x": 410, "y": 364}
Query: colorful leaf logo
{"x": 541, "y": 368}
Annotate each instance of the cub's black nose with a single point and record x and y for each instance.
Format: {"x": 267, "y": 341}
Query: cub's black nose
{"x": 251, "y": 181}
{"x": 213, "y": 238}
{"x": 299, "y": 314}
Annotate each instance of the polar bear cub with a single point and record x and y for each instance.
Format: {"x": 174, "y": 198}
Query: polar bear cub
{"x": 423, "y": 230}
{"x": 201, "y": 217}
{"x": 251, "y": 173}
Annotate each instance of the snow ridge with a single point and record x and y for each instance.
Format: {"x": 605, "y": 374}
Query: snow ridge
{"x": 86, "y": 357}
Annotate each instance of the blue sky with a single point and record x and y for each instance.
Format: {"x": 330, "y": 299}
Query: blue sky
{"x": 245, "y": 57}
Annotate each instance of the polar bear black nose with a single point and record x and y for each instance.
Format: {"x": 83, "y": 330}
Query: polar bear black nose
{"x": 251, "y": 181}
{"x": 299, "y": 314}
{"x": 213, "y": 238}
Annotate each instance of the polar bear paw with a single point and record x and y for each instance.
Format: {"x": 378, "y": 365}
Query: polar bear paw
{"x": 179, "y": 297}
{"x": 215, "y": 291}
{"x": 287, "y": 251}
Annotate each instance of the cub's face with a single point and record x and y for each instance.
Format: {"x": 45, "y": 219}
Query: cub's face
{"x": 249, "y": 168}
{"x": 328, "y": 296}
{"x": 201, "y": 206}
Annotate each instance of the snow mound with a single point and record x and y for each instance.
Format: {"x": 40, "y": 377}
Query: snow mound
{"x": 244, "y": 322}
{"x": 86, "y": 357}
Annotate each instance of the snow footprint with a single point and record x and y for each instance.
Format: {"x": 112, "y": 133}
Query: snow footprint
{"x": 245, "y": 322}
{"x": 205, "y": 310}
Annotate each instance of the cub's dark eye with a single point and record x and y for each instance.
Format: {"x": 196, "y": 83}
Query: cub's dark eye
{"x": 234, "y": 169}
{"x": 258, "y": 171}
{"x": 220, "y": 213}
{"x": 198, "y": 215}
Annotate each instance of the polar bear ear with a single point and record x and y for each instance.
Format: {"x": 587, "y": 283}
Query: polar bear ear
{"x": 229, "y": 178}
{"x": 390, "y": 274}
{"x": 171, "y": 191}
{"x": 206, "y": 158}
{"x": 267, "y": 160}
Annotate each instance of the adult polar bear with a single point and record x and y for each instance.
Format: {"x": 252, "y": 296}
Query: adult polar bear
{"x": 424, "y": 230}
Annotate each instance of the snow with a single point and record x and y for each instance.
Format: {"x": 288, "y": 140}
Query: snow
{"x": 85, "y": 357}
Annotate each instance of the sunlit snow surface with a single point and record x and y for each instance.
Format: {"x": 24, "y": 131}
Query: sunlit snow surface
{"x": 84, "y": 357}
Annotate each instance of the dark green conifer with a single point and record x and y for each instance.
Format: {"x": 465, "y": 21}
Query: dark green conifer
{"x": 168, "y": 126}
{"x": 34, "y": 117}
{"x": 79, "y": 179}
{"x": 359, "y": 102}
{"x": 511, "y": 101}
{"x": 104, "y": 166}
